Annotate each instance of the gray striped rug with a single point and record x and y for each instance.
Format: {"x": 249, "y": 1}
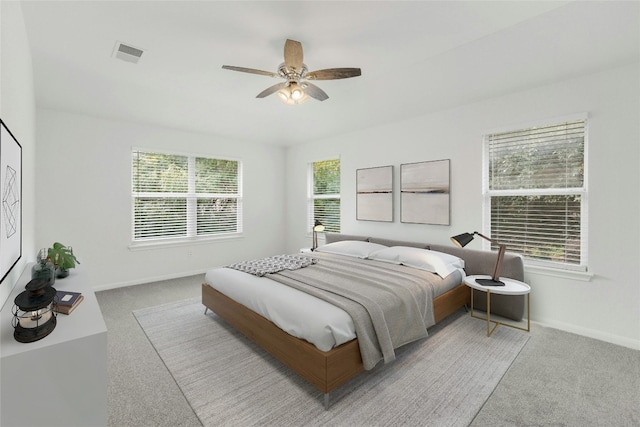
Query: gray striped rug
{"x": 442, "y": 380}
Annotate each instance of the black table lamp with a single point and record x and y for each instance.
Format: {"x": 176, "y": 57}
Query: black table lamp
{"x": 462, "y": 240}
{"x": 316, "y": 228}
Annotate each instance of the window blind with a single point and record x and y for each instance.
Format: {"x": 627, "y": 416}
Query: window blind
{"x": 324, "y": 200}
{"x": 177, "y": 196}
{"x": 536, "y": 192}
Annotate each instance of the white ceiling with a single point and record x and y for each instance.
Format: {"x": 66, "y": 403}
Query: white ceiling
{"x": 416, "y": 57}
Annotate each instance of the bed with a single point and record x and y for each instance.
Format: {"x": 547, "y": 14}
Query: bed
{"x": 327, "y": 365}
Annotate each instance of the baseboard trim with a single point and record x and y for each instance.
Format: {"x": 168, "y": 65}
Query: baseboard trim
{"x": 591, "y": 333}
{"x": 146, "y": 280}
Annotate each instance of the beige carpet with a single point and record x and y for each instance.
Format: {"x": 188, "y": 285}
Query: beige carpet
{"x": 442, "y": 380}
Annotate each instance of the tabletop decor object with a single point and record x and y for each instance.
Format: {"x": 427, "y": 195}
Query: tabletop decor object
{"x": 44, "y": 268}
{"x": 62, "y": 258}
{"x": 33, "y": 312}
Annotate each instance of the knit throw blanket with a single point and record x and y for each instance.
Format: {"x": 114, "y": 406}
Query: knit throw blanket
{"x": 262, "y": 266}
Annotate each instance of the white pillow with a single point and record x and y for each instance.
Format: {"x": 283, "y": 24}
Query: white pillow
{"x": 353, "y": 248}
{"x": 388, "y": 254}
{"x": 436, "y": 262}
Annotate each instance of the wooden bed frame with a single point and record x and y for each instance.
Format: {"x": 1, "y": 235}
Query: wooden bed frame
{"x": 325, "y": 370}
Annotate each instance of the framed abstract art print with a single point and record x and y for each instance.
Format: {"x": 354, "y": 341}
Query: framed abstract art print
{"x": 374, "y": 194}
{"x": 11, "y": 209}
{"x": 425, "y": 192}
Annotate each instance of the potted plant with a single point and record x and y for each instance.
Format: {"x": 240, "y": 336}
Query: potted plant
{"x": 63, "y": 258}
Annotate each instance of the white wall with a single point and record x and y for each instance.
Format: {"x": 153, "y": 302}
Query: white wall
{"x": 606, "y": 307}
{"x": 17, "y": 109}
{"x": 84, "y": 197}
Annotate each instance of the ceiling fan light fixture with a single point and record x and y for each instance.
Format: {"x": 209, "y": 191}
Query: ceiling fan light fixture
{"x": 296, "y": 90}
{"x": 292, "y": 94}
{"x": 282, "y": 95}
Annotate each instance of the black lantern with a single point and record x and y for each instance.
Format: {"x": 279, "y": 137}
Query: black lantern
{"x": 33, "y": 315}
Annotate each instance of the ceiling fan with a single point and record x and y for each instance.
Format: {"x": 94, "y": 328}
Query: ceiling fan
{"x": 296, "y": 89}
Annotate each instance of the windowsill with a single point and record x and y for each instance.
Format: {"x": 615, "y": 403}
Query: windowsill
{"x": 138, "y": 246}
{"x": 556, "y": 272}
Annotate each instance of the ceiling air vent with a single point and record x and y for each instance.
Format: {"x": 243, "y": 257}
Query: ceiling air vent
{"x": 127, "y": 53}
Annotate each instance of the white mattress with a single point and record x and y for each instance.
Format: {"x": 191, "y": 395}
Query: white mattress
{"x": 295, "y": 312}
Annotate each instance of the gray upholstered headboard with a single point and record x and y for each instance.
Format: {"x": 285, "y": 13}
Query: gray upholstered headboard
{"x": 476, "y": 262}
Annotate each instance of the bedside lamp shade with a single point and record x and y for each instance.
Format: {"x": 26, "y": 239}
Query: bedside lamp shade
{"x": 462, "y": 240}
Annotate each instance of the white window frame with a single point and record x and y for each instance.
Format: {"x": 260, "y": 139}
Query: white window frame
{"x": 311, "y": 197}
{"x": 535, "y": 264}
{"x": 192, "y": 198}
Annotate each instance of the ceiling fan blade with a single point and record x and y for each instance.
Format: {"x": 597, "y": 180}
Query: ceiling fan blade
{"x": 293, "y": 55}
{"x": 314, "y": 91}
{"x": 333, "y": 74}
{"x": 251, "y": 70}
{"x": 273, "y": 89}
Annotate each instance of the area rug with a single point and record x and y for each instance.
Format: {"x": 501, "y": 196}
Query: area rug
{"x": 442, "y": 380}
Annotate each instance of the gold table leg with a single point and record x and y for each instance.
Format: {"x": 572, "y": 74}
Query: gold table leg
{"x": 496, "y": 323}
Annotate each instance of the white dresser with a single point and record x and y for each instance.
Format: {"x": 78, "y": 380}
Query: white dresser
{"x": 60, "y": 380}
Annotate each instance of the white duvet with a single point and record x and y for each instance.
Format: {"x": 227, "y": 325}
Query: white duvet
{"x": 297, "y": 313}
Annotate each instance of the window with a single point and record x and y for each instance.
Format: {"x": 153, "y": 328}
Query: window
{"x": 324, "y": 194}
{"x": 536, "y": 195}
{"x": 184, "y": 197}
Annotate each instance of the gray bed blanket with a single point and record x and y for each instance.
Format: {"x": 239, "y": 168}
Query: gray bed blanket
{"x": 391, "y": 305}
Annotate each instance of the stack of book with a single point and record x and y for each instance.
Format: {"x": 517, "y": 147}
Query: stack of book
{"x": 67, "y": 301}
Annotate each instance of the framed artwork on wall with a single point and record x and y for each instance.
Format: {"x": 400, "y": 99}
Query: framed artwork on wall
{"x": 11, "y": 209}
{"x": 374, "y": 194}
{"x": 425, "y": 192}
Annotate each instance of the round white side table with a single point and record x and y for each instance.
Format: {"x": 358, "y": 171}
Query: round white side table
{"x": 511, "y": 287}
